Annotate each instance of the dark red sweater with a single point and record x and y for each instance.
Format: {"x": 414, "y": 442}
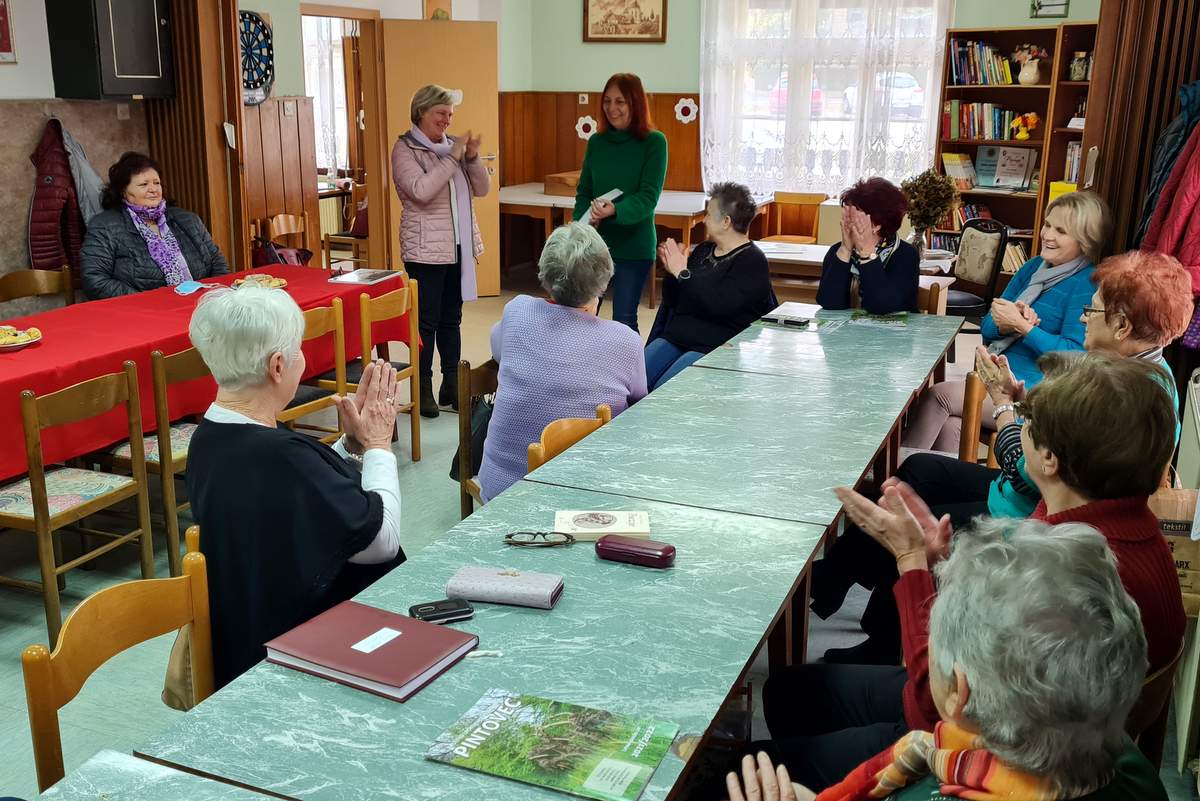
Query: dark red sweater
{"x": 1143, "y": 560}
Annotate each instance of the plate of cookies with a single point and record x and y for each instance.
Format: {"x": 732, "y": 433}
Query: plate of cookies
{"x": 261, "y": 279}
{"x": 15, "y": 338}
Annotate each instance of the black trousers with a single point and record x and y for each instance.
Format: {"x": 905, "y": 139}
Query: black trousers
{"x": 439, "y": 313}
{"x": 949, "y": 486}
{"x": 826, "y": 720}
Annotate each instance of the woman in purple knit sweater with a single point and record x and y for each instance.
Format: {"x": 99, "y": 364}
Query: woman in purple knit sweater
{"x": 557, "y": 358}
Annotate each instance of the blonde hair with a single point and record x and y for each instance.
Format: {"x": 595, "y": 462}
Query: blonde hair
{"x": 1088, "y": 222}
{"x": 432, "y": 95}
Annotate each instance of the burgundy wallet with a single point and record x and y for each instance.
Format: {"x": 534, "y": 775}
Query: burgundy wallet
{"x": 635, "y": 551}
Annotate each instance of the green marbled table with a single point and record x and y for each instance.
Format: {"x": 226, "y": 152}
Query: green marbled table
{"x": 762, "y": 443}
{"x": 111, "y": 776}
{"x": 662, "y": 644}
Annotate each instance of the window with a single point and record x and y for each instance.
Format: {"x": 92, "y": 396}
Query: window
{"x": 325, "y": 81}
{"x": 811, "y": 95}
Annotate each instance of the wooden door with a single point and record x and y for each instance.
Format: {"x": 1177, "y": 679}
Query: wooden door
{"x": 457, "y": 55}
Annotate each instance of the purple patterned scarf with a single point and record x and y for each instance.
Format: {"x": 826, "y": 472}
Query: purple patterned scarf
{"x": 163, "y": 246}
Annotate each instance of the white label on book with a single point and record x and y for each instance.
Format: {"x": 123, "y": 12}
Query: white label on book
{"x": 612, "y": 777}
{"x": 375, "y": 641}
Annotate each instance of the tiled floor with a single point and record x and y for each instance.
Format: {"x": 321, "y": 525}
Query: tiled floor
{"x": 119, "y": 707}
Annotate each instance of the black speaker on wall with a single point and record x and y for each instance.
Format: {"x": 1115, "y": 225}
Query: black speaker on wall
{"x": 111, "y": 49}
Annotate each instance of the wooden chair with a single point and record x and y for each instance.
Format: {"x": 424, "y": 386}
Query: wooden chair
{"x": 282, "y": 225}
{"x": 170, "y": 464}
{"x": 353, "y": 239}
{"x": 34, "y": 283}
{"x": 192, "y": 536}
{"x": 1147, "y": 721}
{"x": 46, "y": 502}
{"x": 809, "y": 208}
{"x": 394, "y": 304}
{"x": 473, "y": 384}
{"x": 932, "y": 300}
{"x": 105, "y": 624}
{"x": 977, "y": 270}
{"x": 563, "y": 433}
{"x": 972, "y": 420}
{"x": 320, "y": 322}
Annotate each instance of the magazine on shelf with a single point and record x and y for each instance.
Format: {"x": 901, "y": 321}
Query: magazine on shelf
{"x": 960, "y": 169}
{"x": 573, "y": 749}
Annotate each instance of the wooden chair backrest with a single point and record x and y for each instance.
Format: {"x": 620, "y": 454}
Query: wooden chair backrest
{"x": 186, "y": 365}
{"x": 103, "y": 625}
{"x": 1151, "y": 706}
{"x": 809, "y": 216}
{"x": 388, "y": 306}
{"x": 32, "y": 283}
{"x": 561, "y": 434}
{"x": 192, "y": 537}
{"x": 995, "y": 233}
{"x": 472, "y": 383}
{"x": 284, "y": 224}
{"x": 81, "y": 401}
{"x": 973, "y": 395}
{"x": 932, "y": 300}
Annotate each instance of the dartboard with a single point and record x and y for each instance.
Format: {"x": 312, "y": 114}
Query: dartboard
{"x": 258, "y": 58}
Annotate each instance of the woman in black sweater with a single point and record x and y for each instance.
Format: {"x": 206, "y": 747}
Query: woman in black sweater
{"x": 712, "y": 293}
{"x": 870, "y": 255}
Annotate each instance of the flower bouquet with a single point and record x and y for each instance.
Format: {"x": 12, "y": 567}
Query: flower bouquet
{"x": 1024, "y": 123}
{"x": 931, "y": 196}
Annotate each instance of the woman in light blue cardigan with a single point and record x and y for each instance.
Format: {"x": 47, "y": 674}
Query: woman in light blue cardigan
{"x": 1038, "y": 313}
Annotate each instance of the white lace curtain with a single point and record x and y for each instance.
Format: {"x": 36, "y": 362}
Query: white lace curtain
{"x": 811, "y": 95}
{"x": 325, "y": 82}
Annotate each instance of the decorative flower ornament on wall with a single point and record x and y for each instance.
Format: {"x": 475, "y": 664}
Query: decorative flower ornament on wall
{"x": 585, "y": 126}
{"x": 686, "y": 110}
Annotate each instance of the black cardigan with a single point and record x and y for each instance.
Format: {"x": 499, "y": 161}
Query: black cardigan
{"x": 717, "y": 301}
{"x": 882, "y": 289}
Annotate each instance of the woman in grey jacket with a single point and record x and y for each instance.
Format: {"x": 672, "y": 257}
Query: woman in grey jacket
{"x": 138, "y": 243}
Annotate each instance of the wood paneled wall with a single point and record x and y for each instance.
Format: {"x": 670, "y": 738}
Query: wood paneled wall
{"x": 184, "y": 131}
{"x": 280, "y": 161}
{"x": 537, "y": 136}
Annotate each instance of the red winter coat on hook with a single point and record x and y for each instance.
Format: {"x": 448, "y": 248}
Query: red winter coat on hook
{"x": 55, "y": 222}
{"x": 1175, "y": 226}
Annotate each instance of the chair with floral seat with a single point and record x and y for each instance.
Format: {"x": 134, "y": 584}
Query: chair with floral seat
{"x": 46, "y": 502}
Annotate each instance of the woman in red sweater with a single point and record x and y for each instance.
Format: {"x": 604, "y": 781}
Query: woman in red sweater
{"x": 826, "y": 719}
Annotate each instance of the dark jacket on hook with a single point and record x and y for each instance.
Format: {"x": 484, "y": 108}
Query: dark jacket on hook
{"x": 55, "y": 222}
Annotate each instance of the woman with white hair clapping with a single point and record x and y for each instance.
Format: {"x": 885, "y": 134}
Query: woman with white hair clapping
{"x": 1036, "y": 658}
{"x": 289, "y": 526}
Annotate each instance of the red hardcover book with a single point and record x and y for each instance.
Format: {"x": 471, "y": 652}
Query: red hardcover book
{"x": 370, "y": 649}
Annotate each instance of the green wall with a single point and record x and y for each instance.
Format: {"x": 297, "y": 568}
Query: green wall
{"x": 516, "y": 46}
{"x": 563, "y": 62}
{"x": 284, "y": 16}
{"x": 1014, "y": 13}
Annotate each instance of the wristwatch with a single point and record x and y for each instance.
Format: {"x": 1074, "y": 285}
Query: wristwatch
{"x": 684, "y": 274}
{"x": 1001, "y": 409}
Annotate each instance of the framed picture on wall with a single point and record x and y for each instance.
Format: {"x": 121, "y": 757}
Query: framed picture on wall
{"x": 1044, "y": 9}
{"x": 625, "y": 21}
{"x": 8, "y": 53}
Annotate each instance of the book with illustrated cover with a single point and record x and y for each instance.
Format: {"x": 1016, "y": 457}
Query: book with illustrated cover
{"x": 960, "y": 168}
{"x": 586, "y": 526}
{"x": 574, "y": 749}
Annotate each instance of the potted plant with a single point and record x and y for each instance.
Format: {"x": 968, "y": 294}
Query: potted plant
{"x": 931, "y": 196}
{"x": 1029, "y": 56}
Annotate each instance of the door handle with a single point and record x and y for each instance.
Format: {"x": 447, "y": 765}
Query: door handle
{"x": 489, "y": 157}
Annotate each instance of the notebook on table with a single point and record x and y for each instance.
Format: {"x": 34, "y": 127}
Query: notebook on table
{"x": 364, "y": 276}
{"x": 371, "y": 649}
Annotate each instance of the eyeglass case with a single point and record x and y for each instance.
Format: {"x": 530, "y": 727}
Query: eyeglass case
{"x": 497, "y": 585}
{"x": 635, "y": 551}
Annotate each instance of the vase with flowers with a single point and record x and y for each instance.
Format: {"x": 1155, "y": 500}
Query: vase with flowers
{"x": 1024, "y": 123}
{"x": 1029, "y": 56}
{"x": 931, "y": 196}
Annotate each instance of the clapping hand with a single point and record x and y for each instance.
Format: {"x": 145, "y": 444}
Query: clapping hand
{"x": 762, "y": 781}
{"x": 458, "y": 148}
{"x": 1010, "y": 319}
{"x": 602, "y": 209}
{"x": 369, "y": 417}
{"x": 1028, "y": 313}
{"x": 472, "y": 151}
{"x": 673, "y": 259}
{"x": 900, "y": 522}
{"x": 997, "y": 377}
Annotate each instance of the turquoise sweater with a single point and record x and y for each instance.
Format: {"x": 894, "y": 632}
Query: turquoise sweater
{"x": 617, "y": 160}
{"x": 1059, "y": 307}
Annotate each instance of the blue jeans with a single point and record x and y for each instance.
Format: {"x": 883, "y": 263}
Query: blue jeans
{"x": 664, "y": 360}
{"x": 628, "y": 281}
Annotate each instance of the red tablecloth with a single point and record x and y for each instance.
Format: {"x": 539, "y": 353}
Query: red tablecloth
{"x": 90, "y": 339}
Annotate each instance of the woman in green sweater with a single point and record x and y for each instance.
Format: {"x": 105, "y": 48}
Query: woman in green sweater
{"x": 629, "y": 155}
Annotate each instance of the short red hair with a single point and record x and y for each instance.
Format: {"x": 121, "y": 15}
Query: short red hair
{"x": 1152, "y": 290}
{"x": 883, "y": 202}
{"x": 630, "y": 85}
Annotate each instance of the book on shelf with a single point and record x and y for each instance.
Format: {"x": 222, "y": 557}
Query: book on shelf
{"x": 1015, "y": 257}
{"x": 959, "y": 167}
{"x": 1005, "y": 167}
{"x": 978, "y": 64}
{"x": 977, "y": 121}
{"x": 565, "y": 747}
{"x": 958, "y": 216}
{"x": 371, "y": 649}
{"x": 588, "y": 526}
{"x": 1074, "y": 156}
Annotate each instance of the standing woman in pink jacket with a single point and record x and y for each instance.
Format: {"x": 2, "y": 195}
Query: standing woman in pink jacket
{"x": 436, "y": 175}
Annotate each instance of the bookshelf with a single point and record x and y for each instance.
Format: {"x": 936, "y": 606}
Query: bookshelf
{"x": 1054, "y": 100}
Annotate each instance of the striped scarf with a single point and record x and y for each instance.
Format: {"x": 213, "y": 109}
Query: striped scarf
{"x": 957, "y": 758}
